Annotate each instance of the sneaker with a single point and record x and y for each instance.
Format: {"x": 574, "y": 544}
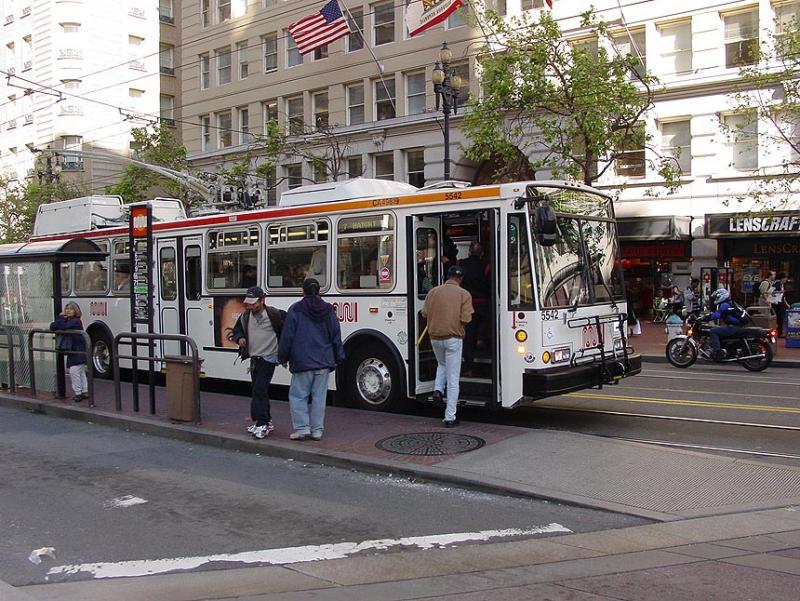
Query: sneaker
{"x": 270, "y": 426}
{"x": 78, "y": 398}
{"x": 316, "y": 436}
{"x": 438, "y": 399}
{"x": 251, "y": 429}
{"x": 450, "y": 423}
{"x": 261, "y": 432}
{"x": 299, "y": 436}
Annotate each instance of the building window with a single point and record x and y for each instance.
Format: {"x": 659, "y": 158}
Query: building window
{"x": 415, "y": 93}
{"x": 676, "y": 45}
{"x": 531, "y": 4}
{"x": 415, "y": 167}
{"x": 294, "y": 114}
{"x": 270, "y": 110}
{"x": 741, "y": 39}
{"x": 135, "y": 97}
{"x": 356, "y": 20}
{"x": 205, "y": 71}
{"x": 135, "y": 40}
{"x": 71, "y": 84}
{"x": 384, "y": 99}
{"x": 71, "y": 27}
{"x": 27, "y": 52}
{"x": 223, "y": 56}
{"x": 166, "y": 59}
{"x": 383, "y": 16}
{"x": 244, "y": 125}
{"x": 458, "y": 18}
{"x": 631, "y": 44}
{"x": 321, "y": 52}
{"x": 355, "y": 104}
{"x": 223, "y": 10}
{"x": 270, "y": 42}
{"x": 272, "y": 186}
{"x": 165, "y": 11}
{"x": 205, "y": 12}
{"x": 241, "y": 54}
{"x": 676, "y": 142}
{"x": 742, "y": 132}
{"x": 72, "y": 162}
{"x": 167, "y": 109}
{"x": 224, "y": 127}
{"x": 293, "y": 56}
{"x": 239, "y": 8}
{"x": 205, "y": 132}
{"x": 320, "y": 169}
{"x": 787, "y": 20}
{"x": 320, "y": 104}
{"x": 630, "y": 162}
{"x": 355, "y": 166}
{"x": 384, "y": 166}
{"x": 294, "y": 175}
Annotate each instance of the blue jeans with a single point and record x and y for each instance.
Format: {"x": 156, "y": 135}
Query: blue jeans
{"x": 721, "y": 332}
{"x": 305, "y": 384}
{"x": 448, "y": 371}
{"x": 261, "y": 372}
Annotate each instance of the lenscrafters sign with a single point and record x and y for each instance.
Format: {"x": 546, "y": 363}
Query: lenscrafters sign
{"x": 777, "y": 223}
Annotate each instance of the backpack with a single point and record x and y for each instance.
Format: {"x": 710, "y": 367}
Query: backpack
{"x": 741, "y": 313}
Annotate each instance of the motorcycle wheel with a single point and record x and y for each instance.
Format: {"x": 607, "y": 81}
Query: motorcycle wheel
{"x": 761, "y": 363}
{"x": 681, "y": 353}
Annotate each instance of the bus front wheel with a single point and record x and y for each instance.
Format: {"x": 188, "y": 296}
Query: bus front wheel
{"x": 373, "y": 379}
{"x": 101, "y": 356}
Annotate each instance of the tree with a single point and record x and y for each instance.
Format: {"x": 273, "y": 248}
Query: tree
{"x": 767, "y": 101}
{"x": 157, "y": 147}
{"x": 20, "y": 202}
{"x": 572, "y": 109}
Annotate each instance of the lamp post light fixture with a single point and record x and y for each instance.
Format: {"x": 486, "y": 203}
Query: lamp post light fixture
{"x": 446, "y": 86}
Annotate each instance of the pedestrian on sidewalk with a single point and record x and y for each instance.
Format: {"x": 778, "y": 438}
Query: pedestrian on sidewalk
{"x": 448, "y": 308}
{"x": 779, "y": 302}
{"x": 70, "y": 319}
{"x": 765, "y": 289}
{"x": 257, "y": 332}
{"x": 311, "y": 343}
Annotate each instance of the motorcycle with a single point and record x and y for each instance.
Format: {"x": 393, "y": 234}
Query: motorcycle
{"x": 749, "y": 346}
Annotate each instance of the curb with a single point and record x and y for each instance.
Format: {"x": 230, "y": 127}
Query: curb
{"x": 291, "y": 450}
{"x": 791, "y": 363}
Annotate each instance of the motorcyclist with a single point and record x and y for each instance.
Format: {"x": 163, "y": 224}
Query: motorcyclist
{"x": 730, "y": 318}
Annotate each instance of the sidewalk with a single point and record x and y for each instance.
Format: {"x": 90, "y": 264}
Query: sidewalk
{"x": 705, "y": 505}
{"x": 652, "y": 343}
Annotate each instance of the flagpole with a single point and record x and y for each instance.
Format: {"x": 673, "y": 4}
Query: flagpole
{"x": 374, "y": 58}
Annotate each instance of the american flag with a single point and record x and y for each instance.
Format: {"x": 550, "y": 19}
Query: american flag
{"x": 321, "y": 28}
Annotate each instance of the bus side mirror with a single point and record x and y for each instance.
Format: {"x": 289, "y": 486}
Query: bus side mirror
{"x": 546, "y": 226}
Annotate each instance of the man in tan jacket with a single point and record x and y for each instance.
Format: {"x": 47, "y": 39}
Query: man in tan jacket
{"x": 448, "y": 308}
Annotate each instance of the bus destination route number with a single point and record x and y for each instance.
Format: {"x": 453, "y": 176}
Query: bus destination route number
{"x": 549, "y": 314}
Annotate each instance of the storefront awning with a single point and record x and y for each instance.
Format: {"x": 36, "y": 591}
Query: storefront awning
{"x": 52, "y": 251}
{"x": 654, "y": 228}
{"x": 772, "y": 224}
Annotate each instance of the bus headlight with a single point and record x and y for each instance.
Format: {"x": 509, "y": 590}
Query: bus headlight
{"x": 546, "y": 356}
{"x": 521, "y": 335}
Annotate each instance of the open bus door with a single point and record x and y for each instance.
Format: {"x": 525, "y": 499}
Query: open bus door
{"x": 426, "y": 269}
{"x": 180, "y": 310}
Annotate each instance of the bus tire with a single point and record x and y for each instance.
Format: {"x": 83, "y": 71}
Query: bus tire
{"x": 373, "y": 380}
{"x": 102, "y": 355}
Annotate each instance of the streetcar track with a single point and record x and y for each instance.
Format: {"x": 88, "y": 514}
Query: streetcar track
{"x": 751, "y": 380}
{"x": 700, "y": 447}
{"x": 684, "y": 403}
{"x": 668, "y": 417}
{"x": 709, "y": 392}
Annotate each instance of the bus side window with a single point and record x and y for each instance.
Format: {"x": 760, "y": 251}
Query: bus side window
{"x": 66, "y": 271}
{"x": 91, "y": 277}
{"x": 168, "y": 283}
{"x": 427, "y": 260}
{"x": 520, "y": 282}
{"x": 193, "y": 271}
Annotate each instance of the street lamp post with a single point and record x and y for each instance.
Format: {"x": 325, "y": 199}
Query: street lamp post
{"x": 446, "y": 86}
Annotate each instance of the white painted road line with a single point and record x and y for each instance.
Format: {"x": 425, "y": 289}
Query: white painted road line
{"x": 288, "y": 555}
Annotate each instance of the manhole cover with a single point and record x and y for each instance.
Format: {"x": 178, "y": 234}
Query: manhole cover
{"x": 430, "y": 443}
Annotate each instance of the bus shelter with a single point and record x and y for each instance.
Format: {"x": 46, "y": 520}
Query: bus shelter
{"x": 30, "y": 297}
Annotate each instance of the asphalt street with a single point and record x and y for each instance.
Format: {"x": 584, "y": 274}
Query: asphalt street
{"x": 100, "y": 495}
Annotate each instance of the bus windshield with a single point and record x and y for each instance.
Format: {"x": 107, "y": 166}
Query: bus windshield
{"x": 581, "y": 267}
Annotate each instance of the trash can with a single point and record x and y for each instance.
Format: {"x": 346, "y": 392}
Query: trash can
{"x": 674, "y": 326}
{"x": 181, "y": 399}
{"x": 791, "y": 329}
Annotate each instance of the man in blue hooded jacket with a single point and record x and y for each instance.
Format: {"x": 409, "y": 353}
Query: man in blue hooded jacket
{"x": 311, "y": 342}
{"x": 731, "y": 319}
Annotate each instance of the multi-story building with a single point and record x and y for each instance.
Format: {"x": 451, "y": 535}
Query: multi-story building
{"x": 242, "y": 70}
{"x": 82, "y": 75}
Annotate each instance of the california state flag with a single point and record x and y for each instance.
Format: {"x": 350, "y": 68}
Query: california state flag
{"x": 421, "y": 14}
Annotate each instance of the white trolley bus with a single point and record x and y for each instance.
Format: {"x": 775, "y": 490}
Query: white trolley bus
{"x": 557, "y": 320}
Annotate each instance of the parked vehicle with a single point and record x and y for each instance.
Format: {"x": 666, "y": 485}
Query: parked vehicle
{"x": 749, "y": 346}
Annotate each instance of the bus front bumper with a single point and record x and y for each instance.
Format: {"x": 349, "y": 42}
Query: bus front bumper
{"x": 542, "y": 383}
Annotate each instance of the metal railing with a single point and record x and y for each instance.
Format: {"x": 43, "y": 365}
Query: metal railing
{"x": 86, "y": 352}
{"x": 12, "y": 385}
{"x": 132, "y": 339}
{"x": 606, "y": 358}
